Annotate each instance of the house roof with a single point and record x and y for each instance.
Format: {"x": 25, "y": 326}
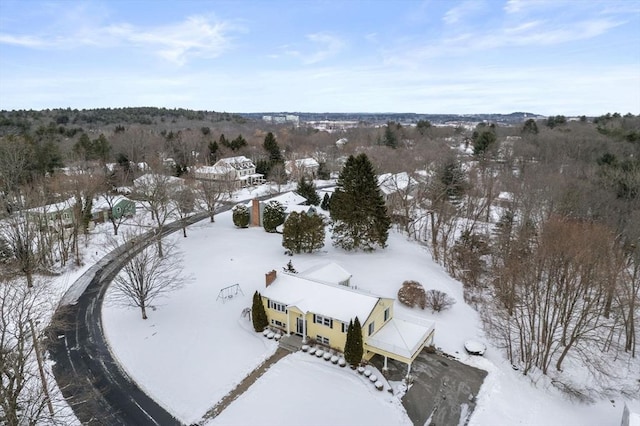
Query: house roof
{"x": 56, "y": 207}
{"x": 214, "y": 170}
{"x": 401, "y": 337}
{"x": 302, "y": 163}
{"x": 329, "y": 273}
{"x": 100, "y": 203}
{"x": 238, "y": 162}
{"x": 288, "y": 199}
{"x": 390, "y": 182}
{"x": 151, "y": 179}
{"x": 332, "y": 300}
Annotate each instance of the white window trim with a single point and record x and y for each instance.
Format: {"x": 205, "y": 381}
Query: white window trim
{"x": 322, "y": 339}
{"x": 372, "y": 327}
{"x": 320, "y": 319}
{"x": 280, "y": 307}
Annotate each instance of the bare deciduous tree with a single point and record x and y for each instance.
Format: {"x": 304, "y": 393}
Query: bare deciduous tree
{"x": 26, "y": 390}
{"x": 438, "y": 301}
{"x": 156, "y": 192}
{"x": 148, "y": 277}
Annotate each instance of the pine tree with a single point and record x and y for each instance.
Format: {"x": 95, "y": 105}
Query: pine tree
{"x": 258, "y": 314}
{"x": 308, "y": 191}
{"x": 271, "y": 146}
{"x": 348, "y": 345}
{"x": 273, "y": 216}
{"x": 325, "y": 202}
{"x": 353, "y": 348}
{"x": 289, "y": 268}
{"x": 358, "y": 209}
{"x": 358, "y": 346}
{"x": 303, "y": 232}
{"x": 323, "y": 172}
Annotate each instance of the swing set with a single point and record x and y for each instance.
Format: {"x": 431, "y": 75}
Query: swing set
{"x": 229, "y": 292}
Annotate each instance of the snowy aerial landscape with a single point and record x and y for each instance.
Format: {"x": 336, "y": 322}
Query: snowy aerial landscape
{"x": 193, "y": 348}
{"x": 426, "y": 213}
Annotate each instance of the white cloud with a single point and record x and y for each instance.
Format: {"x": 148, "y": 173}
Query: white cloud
{"x": 463, "y": 10}
{"x": 24, "y": 41}
{"x": 329, "y": 44}
{"x": 196, "y": 36}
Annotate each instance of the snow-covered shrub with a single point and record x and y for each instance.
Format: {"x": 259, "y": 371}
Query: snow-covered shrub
{"x": 438, "y": 300}
{"x": 411, "y": 294}
{"x": 273, "y": 216}
{"x": 241, "y": 216}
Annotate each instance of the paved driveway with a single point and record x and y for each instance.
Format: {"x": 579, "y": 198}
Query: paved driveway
{"x": 443, "y": 390}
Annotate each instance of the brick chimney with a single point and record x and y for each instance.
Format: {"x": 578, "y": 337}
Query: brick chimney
{"x": 270, "y": 277}
{"x": 255, "y": 212}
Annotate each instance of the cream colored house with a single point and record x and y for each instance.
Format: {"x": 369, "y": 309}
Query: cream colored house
{"x": 319, "y": 303}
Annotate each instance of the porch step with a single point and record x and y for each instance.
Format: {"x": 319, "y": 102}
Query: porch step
{"x": 291, "y": 343}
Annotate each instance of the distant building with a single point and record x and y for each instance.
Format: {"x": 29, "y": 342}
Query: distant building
{"x": 238, "y": 171}
{"x": 281, "y": 119}
{"x": 307, "y": 167}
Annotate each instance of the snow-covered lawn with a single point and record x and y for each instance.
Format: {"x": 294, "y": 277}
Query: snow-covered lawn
{"x": 305, "y": 390}
{"x": 193, "y": 349}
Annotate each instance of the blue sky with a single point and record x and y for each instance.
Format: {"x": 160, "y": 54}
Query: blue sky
{"x": 548, "y": 57}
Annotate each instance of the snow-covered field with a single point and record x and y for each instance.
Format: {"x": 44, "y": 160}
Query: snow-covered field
{"x": 193, "y": 348}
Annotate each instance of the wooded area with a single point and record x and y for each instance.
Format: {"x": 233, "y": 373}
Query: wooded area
{"x": 540, "y": 221}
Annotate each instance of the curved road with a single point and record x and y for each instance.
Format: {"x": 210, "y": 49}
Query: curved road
{"x": 98, "y": 390}
{"x": 92, "y": 382}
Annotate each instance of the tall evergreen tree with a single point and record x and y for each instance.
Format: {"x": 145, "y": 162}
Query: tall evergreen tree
{"x": 358, "y": 346}
{"x": 303, "y": 232}
{"x": 271, "y": 146}
{"x": 323, "y": 172}
{"x": 308, "y": 191}
{"x": 358, "y": 209}
{"x": 353, "y": 348}
{"x": 348, "y": 345}
{"x": 258, "y": 314}
{"x": 273, "y": 216}
{"x": 390, "y": 139}
{"x": 325, "y": 201}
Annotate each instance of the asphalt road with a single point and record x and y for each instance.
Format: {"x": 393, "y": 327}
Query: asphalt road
{"x": 92, "y": 382}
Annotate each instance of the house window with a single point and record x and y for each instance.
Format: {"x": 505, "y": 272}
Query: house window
{"x": 322, "y": 339}
{"x": 277, "y": 306}
{"x": 371, "y": 327}
{"x": 386, "y": 314}
{"x": 319, "y": 319}
{"x": 277, "y": 323}
{"x": 345, "y": 327}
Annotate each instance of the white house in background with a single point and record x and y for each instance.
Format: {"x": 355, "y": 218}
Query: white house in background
{"x": 53, "y": 216}
{"x": 396, "y": 185}
{"x": 239, "y": 171}
{"x": 307, "y": 167}
{"x": 317, "y": 304}
{"x": 147, "y": 183}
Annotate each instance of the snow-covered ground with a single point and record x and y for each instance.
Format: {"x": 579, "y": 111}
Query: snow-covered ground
{"x": 193, "y": 348}
{"x": 303, "y": 389}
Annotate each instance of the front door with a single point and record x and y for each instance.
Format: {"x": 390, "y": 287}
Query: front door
{"x": 299, "y": 326}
